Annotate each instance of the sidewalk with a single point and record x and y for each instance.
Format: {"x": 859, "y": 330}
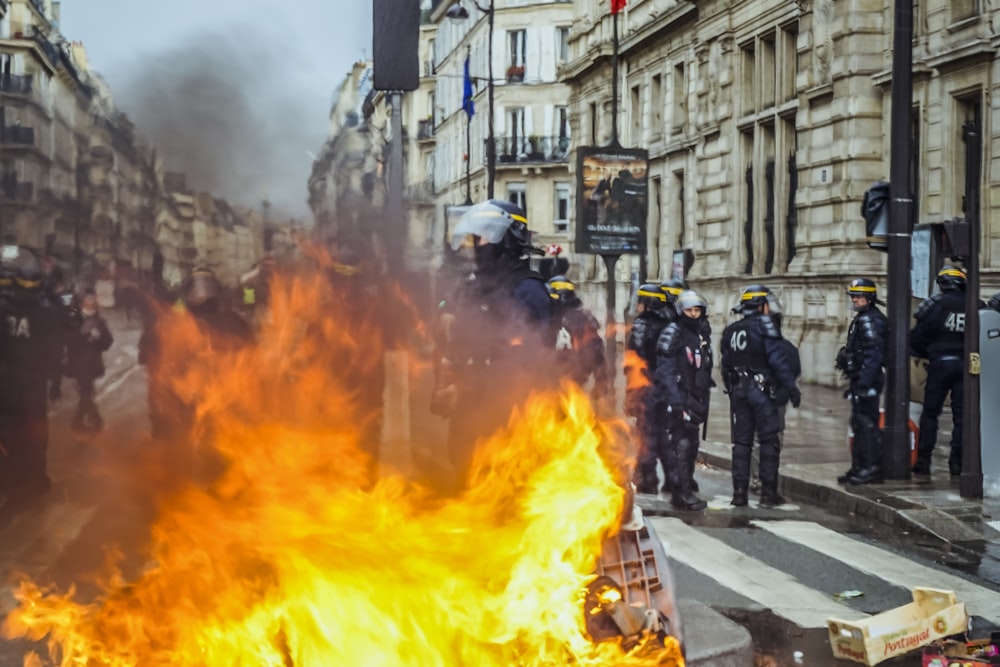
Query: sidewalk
{"x": 815, "y": 452}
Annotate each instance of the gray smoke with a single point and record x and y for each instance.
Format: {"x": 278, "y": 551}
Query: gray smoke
{"x": 226, "y": 109}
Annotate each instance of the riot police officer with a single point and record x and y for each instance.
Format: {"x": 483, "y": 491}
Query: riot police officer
{"x": 861, "y": 361}
{"x": 497, "y": 335}
{"x": 682, "y": 385}
{"x": 655, "y": 312}
{"x": 578, "y": 343}
{"x": 939, "y": 337}
{"x": 759, "y": 378}
{"x": 30, "y": 348}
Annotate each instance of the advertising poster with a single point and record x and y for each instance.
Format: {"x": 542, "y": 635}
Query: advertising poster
{"x": 612, "y": 200}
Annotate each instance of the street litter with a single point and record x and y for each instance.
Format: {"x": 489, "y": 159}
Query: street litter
{"x": 951, "y": 653}
{"x": 932, "y": 615}
{"x": 847, "y": 595}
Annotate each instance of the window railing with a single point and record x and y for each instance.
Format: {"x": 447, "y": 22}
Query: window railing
{"x": 425, "y": 129}
{"x": 531, "y": 149}
{"x": 17, "y": 134}
{"x": 15, "y": 84}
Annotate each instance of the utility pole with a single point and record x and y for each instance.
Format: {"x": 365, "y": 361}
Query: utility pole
{"x": 970, "y": 484}
{"x": 896, "y": 456}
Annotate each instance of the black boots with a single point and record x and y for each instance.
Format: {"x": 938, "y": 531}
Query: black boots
{"x": 955, "y": 462}
{"x": 856, "y": 464}
{"x": 869, "y": 475}
{"x": 769, "y": 497}
{"x": 681, "y": 482}
{"x": 739, "y": 498}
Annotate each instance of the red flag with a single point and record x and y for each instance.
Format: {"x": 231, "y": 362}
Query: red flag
{"x": 617, "y": 5}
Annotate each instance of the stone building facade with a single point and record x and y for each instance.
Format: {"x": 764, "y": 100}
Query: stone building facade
{"x": 532, "y": 126}
{"x": 766, "y": 122}
{"x": 77, "y": 180}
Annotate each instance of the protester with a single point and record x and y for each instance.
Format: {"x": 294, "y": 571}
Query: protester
{"x": 87, "y": 338}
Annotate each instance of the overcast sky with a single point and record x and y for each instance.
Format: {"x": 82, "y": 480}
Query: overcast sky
{"x": 235, "y": 93}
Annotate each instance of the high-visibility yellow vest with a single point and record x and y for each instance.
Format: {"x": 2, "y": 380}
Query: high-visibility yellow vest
{"x": 249, "y": 296}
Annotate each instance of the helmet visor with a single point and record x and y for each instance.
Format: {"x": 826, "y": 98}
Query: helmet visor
{"x": 484, "y": 220}
{"x": 774, "y": 303}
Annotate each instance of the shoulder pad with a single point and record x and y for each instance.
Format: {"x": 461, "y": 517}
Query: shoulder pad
{"x": 769, "y": 327}
{"x": 638, "y": 333}
{"x": 926, "y": 305}
{"x": 669, "y": 339}
{"x": 869, "y": 326}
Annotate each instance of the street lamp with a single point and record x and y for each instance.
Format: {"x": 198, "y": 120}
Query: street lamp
{"x": 458, "y": 12}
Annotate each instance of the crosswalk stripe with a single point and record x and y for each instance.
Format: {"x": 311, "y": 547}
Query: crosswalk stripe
{"x": 765, "y": 585}
{"x": 885, "y": 565}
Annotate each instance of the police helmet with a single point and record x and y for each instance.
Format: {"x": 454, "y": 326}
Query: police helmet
{"x": 994, "y": 302}
{"x": 863, "y": 287}
{"x": 754, "y": 297}
{"x": 563, "y": 291}
{"x": 673, "y": 288}
{"x": 951, "y": 278}
{"x": 21, "y": 267}
{"x": 652, "y": 298}
{"x": 495, "y": 222}
{"x": 690, "y": 299}
{"x": 201, "y": 287}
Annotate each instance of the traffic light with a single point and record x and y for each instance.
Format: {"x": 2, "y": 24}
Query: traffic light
{"x": 952, "y": 238}
{"x": 396, "y": 43}
{"x": 875, "y": 211}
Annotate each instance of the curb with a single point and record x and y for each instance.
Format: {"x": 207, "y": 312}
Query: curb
{"x": 871, "y": 503}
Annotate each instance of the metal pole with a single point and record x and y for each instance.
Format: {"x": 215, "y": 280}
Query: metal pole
{"x": 614, "y": 78}
{"x": 970, "y": 484}
{"x": 896, "y": 456}
{"x": 468, "y": 147}
{"x": 491, "y": 144}
{"x": 610, "y": 334}
{"x": 395, "y": 225}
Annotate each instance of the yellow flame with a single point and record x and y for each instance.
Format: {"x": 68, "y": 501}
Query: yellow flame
{"x": 289, "y": 556}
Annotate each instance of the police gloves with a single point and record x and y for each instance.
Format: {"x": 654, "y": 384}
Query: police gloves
{"x": 796, "y": 398}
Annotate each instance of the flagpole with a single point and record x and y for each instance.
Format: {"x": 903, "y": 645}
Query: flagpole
{"x": 468, "y": 128}
{"x": 614, "y": 76}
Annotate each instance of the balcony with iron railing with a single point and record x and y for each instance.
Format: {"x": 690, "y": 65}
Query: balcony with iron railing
{"x": 15, "y": 84}
{"x": 12, "y": 189}
{"x": 421, "y": 192}
{"x": 531, "y": 149}
{"x": 35, "y": 34}
{"x": 17, "y": 134}
{"x": 425, "y": 129}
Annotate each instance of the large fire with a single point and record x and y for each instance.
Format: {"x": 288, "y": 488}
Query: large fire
{"x": 286, "y": 554}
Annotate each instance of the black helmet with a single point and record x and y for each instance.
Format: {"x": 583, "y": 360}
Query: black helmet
{"x": 201, "y": 287}
{"x": 951, "y": 278}
{"x": 562, "y": 290}
{"x": 691, "y": 299}
{"x": 863, "y": 287}
{"x": 753, "y": 297}
{"x": 673, "y": 288}
{"x": 652, "y": 298}
{"x": 22, "y": 267}
{"x": 994, "y": 302}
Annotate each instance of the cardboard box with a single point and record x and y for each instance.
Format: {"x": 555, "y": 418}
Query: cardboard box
{"x": 933, "y": 614}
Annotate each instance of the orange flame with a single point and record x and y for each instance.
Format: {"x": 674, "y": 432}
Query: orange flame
{"x": 289, "y": 557}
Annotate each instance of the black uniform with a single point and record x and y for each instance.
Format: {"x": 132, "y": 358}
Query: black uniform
{"x": 759, "y": 377}
{"x": 580, "y": 348}
{"x": 682, "y": 391}
{"x": 939, "y": 337}
{"x": 500, "y": 336}
{"x": 650, "y": 424}
{"x": 31, "y": 332}
{"x": 861, "y": 361}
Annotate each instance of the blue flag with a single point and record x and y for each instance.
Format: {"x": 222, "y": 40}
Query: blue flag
{"x": 467, "y": 104}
